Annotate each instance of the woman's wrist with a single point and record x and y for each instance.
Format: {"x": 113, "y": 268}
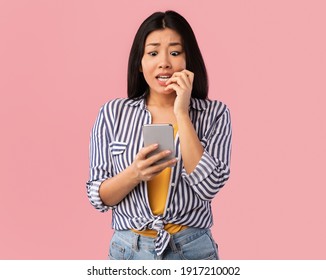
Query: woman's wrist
{"x": 182, "y": 115}
{"x": 114, "y": 189}
{"x": 131, "y": 175}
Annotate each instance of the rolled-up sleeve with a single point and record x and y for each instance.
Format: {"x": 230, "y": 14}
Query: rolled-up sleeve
{"x": 213, "y": 169}
{"x": 100, "y": 164}
{"x": 93, "y": 194}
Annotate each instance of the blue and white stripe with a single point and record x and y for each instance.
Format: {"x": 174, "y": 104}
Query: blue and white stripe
{"x": 116, "y": 138}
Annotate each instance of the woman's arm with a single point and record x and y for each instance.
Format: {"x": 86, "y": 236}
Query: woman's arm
{"x": 116, "y": 188}
{"x": 191, "y": 148}
{"x": 213, "y": 169}
{"x": 206, "y": 161}
{"x": 105, "y": 187}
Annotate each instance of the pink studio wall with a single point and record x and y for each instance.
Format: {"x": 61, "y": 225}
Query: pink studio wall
{"x": 60, "y": 60}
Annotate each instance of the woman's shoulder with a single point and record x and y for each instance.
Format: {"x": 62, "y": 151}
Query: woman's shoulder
{"x": 117, "y": 103}
{"x": 209, "y": 105}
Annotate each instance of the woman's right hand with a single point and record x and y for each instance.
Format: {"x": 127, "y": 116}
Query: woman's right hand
{"x": 144, "y": 168}
{"x": 114, "y": 189}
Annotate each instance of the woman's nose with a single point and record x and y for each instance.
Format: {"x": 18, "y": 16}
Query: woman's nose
{"x": 164, "y": 62}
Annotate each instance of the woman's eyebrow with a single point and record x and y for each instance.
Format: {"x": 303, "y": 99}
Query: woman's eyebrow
{"x": 152, "y": 44}
{"x": 175, "y": 44}
{"x": 158, "y": 44}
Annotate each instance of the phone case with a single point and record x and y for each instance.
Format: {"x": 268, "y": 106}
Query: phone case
{"x": 161, "y": 134}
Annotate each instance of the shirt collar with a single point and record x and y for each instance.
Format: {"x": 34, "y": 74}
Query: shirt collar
{"x": 140, "y": 102}
{"x": 196, "y": 104}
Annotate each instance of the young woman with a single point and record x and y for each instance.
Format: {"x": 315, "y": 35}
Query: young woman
{"x": 161, "y": 211}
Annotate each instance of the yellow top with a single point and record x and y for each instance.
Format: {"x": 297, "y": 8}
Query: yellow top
{"x": 158, "y": 189}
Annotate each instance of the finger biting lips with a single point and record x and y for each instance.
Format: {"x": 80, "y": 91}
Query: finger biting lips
{"x": 162, "y": 78}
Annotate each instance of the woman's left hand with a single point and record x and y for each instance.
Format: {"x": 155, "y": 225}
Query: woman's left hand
{"x": 181, "y": 83}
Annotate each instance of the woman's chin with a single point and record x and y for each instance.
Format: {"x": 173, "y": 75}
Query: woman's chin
{"x": 162, "y": 91}
{"x": 167, "y": 92}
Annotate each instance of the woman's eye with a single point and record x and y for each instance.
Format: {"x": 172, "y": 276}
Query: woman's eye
{"x": 152, "y": 53}
{"x": 175, "y": 53}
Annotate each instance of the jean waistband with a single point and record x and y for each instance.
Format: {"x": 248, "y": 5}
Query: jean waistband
{"x": 179, "y": 238}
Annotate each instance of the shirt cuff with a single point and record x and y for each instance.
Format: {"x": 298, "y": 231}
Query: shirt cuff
{"x": 203, "y": 169}
{"x": 93, "y": 193}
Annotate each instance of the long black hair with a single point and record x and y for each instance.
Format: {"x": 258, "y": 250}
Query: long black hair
{"x": 137, "y": 85}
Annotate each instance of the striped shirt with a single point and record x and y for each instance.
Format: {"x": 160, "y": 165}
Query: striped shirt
{"x": 116, "y": 138}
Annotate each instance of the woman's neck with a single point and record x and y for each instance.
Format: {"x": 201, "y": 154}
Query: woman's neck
{"x": 161, "y": 100}
{"x": 161, "y": 107}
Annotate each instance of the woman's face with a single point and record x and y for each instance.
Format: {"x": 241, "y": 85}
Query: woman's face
{"x": 163, "y": 55}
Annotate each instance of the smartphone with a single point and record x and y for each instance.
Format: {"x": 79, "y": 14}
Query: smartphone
{"x": 161, "y": 134}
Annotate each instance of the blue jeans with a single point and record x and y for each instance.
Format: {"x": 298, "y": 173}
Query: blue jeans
{"x": 188, "y": 244}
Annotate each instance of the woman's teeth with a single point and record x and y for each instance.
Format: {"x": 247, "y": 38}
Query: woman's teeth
{"x": 163, "y": 78}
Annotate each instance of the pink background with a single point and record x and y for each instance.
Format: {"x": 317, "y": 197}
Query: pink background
{"x": 60, "y": 60}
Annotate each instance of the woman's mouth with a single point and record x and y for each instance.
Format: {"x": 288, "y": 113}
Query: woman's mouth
{"x": 163, "y": 78}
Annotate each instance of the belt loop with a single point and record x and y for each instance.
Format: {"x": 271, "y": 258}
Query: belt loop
{"x": 135, "y": 242}
{"x": 173, "y": 245}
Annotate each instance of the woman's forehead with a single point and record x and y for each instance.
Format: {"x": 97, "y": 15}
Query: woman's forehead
{"x": 161, "y": 36}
